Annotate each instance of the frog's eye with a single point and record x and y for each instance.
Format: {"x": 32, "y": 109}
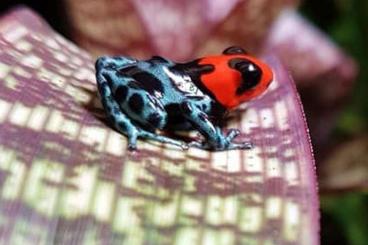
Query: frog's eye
{"x": 251, "y": 74}
{"x": 234, "y": 50}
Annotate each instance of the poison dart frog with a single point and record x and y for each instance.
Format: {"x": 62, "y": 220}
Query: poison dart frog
{"x": 143, "y": 96}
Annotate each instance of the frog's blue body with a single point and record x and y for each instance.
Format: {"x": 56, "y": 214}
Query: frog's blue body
{"x": 142, "y": 96}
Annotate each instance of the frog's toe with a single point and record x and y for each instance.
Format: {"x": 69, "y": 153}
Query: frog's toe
{"x": 184, "y": 146}
{"x": 241, "y": 146}
{"x": 132, "y": 139}
{"x": 232, "y": 134}
{"x": 132, "y": 144}
{"x": 132, "y": 147}
{"x": 199, "y": 145}
{"x": 248, "y": 145}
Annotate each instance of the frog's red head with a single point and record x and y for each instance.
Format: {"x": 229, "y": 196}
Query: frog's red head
{"x": 236, "y": 77}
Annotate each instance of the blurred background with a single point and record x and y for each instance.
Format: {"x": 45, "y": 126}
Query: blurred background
{"x": 345, "y": 209}
{"x": 324, "y": 44}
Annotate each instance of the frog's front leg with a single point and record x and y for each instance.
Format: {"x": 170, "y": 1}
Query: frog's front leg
{"x": 215, "y": 139}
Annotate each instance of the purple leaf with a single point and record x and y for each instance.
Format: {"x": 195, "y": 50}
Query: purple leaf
{"x": 67, "y": 178}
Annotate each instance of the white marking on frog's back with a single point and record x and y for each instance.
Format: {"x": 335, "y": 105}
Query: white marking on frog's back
{"x": 183, "y": 83}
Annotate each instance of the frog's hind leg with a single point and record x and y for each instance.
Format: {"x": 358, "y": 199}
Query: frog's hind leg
{"x": 123, "y": 123}
{"x": 120, "y": 121}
